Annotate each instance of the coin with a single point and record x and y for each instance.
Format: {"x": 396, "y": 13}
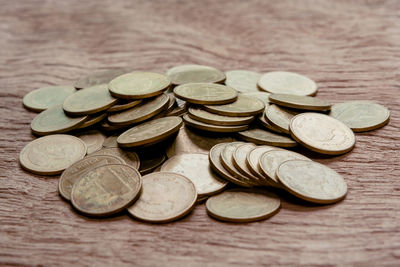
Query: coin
{"x": 93, "y": 139}
{"x": 253, "y": 158}
{"x": 196, "y": 167}
{"x": 92, "y": 120}
{"x": 283, "y": 82}
{"x": 213, "y": 128}
{"x": 99, "y": 77}
{"x": 124, "y": 105}
{"x": 53, "y": 120}
{"x": 150, "y": 132}
{"x": 105, "y": 126}
{"x": 312, "y": 181}
{"x": 239, "y": 161}
{"x": 279, "y": 117}
{"x": 138, "y": 85}
{"x": 106, "y": 190}
{"x": 50, "y": 155}
{"x": 195, "y": 74}
{"x": 215, "y": 119}
{"x": 243, "y": 106}
{"x": 300, "y": 102}
{"x": 74, "y": 172}
{"x": 150, "y": 160}
{"x": 177, "y": 111}
{"x": 45, "y": 97}
{"x": 146, "y": 110}
{"x": 171, "y": 102}
{"x": 242, "y": 80}
{"x": 130, "y": 157}
{"x": 263, "y": 96}
{"x": 165, "y": 197}
{"x": 111, "y": 141}
{"x": 322, "y": 133}
{"x": 206, "y": 93}
{"x": 262, "y": 137}
{"x": 243, "y": 205}
{"x": 264, "y": 123}
{"x": 361, "y": 115}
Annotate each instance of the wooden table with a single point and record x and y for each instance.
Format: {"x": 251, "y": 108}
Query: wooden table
{"x": 351, "y": 49}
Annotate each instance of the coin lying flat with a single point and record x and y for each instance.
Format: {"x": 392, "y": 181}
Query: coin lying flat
{"x": 165, "y": 197}
{"x": 279, "y": 117}
{"x": 74, "y": 172}
{"x": 322, "y": 133}
{"x": 151, "y": 160}
{"x": 99, "y": 77}
{"x": 130, "y": 157}
{"x": 239, "y": 160}
{"x": 361, "y": 116}
{"x": 300, "y": 102}
{"x": 195, "y": 74}
{"x": 206, "y": 93}
{"x": 92, "y": 120}
{"x": 242, "y": 80}
{"x": 215, "y": 119}
{"x": 106, "y": 190}
{"x": 263, "y": 96}
{"x": 196, "y": 167}
{"x": 312, "y": 181}
{"x": 263, "y": 137}
{"x": 138, "y": 85}
{"x": 243, "y": 106}
{"x": 124, "y": 105}
{"x": 52, "y": 154}
{"x": 53, "y": 120}
{"x": 283, "y": 82}
{"x": 45, "y": 97}
{"x": 243, "y": 205}
{"x": 253, "y": 157}
{"x": 93, "y": 139}
{"x": 150, "y": 132}
{"x": 213, "y": 128}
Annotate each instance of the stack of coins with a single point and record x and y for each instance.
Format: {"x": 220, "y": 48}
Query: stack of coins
{"x": 156, "y": 145}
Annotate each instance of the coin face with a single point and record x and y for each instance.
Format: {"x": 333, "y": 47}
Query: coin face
{"x": 215, "y": 119}
{"x": 243, "y": 205}
{"x": 74, "y": 172}
{"x": 300, "y": 102}
{"x": 253, "y": 157}
{"x": 138, "y": 85}
{"x": 242, "y": 80}
{"x": 45, "y": 97}
{"x": 165, "y": 197}
{"x": 312, "y": 181}
{"x": 213, "y": 128}
{"x": 93, "y": 139}
{"x": 52, "y": 154}
{"x": 195, "y": 74}
{"x": 243, "y": 106}
{"x": 205, "y": 93}
{"x": 279, "y": 117}
{"x": 263, "y": 96}
{"x": 197, "y": 168}
{"x": 106, "y": 190}
{"x": 322, "y": 133}
{"x": 92, "y": 120}
{"x": 124, "y": 105}
{"x": 130, "y": 157}
{"x": 283, "y": 82}
{"x": 99, "y": 77}
{"x": 150, "y": 132}
{"x": 151, "y": 160}
{"x": 239, "y": 160}
{"x": 361, "y": 116}
{"x": 263, "y": 137}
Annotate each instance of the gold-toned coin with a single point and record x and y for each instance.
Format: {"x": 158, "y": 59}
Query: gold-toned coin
{"x": 177, "y": 111}
{"x": 50, "y": 155}
{"x": 195, "y": 74}
{"x": 322, "y": 133}
{"x": 171, "y": 103}
{"x": 312, "y": 181}
{"x": 253, "y": 158}
{"x": 106, "y": 190}
{"x": 99, "y": 77}
{"x": 45, "y": 97}
{"x": 197, "y": 168}
{"x": 146, "y": 110}
{"x": 215, "y": 119}
{"x": 213, "y": 128}
{"x": 263, "y": 137}
{"x": 124, "y": 105}
{"x": 151, "y": 161}
{"x": 243, "y": 106}
{"x": 206, "y": 93}
{"x": 283, "y": 82}
{"x": 93, "y": 139}
{"x": 111, "y": 141}
{"x": 264, "y": 123}
{"x": 130, "y": 157}
{"x": 92, "y": 120}
{"x": 242, "y": 80}
{"x": 243, "y": 205}
{"x": 74, "y": 172}
{"x": 105, "y": 126}
{"x": 279, "y": 117}
{"x": 150, "y": 132}
{"x": 300, "y": 102}
{"x": 361, "y": 115}
{"x": 165, "y": 197}
{"x": 138, "y": 85}
{"x": 239, "y": 161}
{"x": 53, "y": 120}
{"x": 263, "y": 96}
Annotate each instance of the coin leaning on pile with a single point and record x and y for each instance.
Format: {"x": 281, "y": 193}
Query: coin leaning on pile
{"x": 156, "y": 145}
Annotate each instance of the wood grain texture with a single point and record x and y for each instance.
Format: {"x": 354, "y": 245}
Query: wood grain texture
{"x": 350, "y": 48}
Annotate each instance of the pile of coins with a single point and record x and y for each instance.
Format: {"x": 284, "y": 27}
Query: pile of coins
{"x": 109, "y": 136}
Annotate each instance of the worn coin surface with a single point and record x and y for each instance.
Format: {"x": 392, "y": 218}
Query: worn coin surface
{"x": 111, "y": 141}
{"x": 99, "y": 77}
{"x": 253, "y": 157}
{"x": 279, "y": 117}
{"x": 92, "y": 120}
{"x": 283, "y": 82}
{"x": 242, "y": 80}
{"x": 206, "y": 93}
{"x": 361, "y": 116}
{"x": 50, "y": 155}
{"x": 312, "y": 181}
{"x": 45, "y": 97}
{"x": 124, "y": 105}
{"x": 215, "y": 119}
{"x": 239, "y": 160}
{"x": 151, "y": 160}
{"x": 263, "y": 96}
{"x": 322, "y": 133}
{"x": 243, "y": 106}
{"x": 195, "y": 74}
{"x": 243, "y": 205}
{"x": 213, "y": 128}
{"x": 106, "y": 190}
{"x": 130, "y": 157}
{"x": 300, "y": 102}
{"x": 93, "y": 139}
{"x": 266, "y": 124}
{"x": 165, "y": 197}
{"x": 263, "y": 137}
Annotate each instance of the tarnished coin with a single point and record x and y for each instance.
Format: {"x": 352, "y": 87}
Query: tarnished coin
{"x": 242, "y": 80}
{"x": 45, "y": 97}
{"x": 130, "y": 157}
{"x": 206, "y": 93}
{"x": 279, "y": 117}
{"x": 263, "y": 96}
{"x": 165, "y": 197}
{"x": 300, "y": 102}
{"x": 215, "y": 119}
{"x": 150, "y": 132}
{"x": 52, "y": 154}
{"x": 239, "y": 160}
{"x": 266, "y": 124}
{"x": 151, "y": 160}
{"x": 312, "y": 181}
{"x": 197, "y": 168}
{"x": 99, "y": 77}
{"x": 74, "y": 172}
{"x": 322, "y": 133}
{"x": 106, "y": 190}
{"x": 53, "y": 120}
{"x": 243, "y": 106}
{"x": 243, "y": 205}
{"x": 253, "y": 157}
{"x": 283, "y": 82}
{"x": 361, "y": 116}
{"x": 213, "y": 128}
{"x": 124, "y": 105}
{"x": 263, "y": 137}
{"x": 92, "y": 120}
{"x": 195, "y": 74}
{"x": 93, "y": 139}
{"x": 138, "y": 85}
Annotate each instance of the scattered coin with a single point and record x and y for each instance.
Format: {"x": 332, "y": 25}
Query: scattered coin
{"x": 263, "y": 96}
{"x": 253, "y": 158}
{"x": 124, "y": 105}
{"x": 177, "y": 111}
{"x": 195, "y": 74}
{"x": 300, "y": 102}
{"x": 111, "y": 141}
{"x": 99, "y": 77}
{"x": 213, "y": 128}
{"x": 171, "y": 103}
{"x": 215, "y": 119}
{"x": 150, "y": 161}
{"x": 239, "y": 160}
{"x": 92, "y": 120}
{"x": 105, "y": 126}
{"x": 242, "y": 80}
{"x": 130, "y": 157}
{"x": 243, "y": 106}
{"x": 93, "y": 139}
{"x": 206, "y": 93}
{"x": 262, "y": 137}
{"x": 264, "y": 123}
{"x": 45, "y": 97}
{"x": 279, "y": 117}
